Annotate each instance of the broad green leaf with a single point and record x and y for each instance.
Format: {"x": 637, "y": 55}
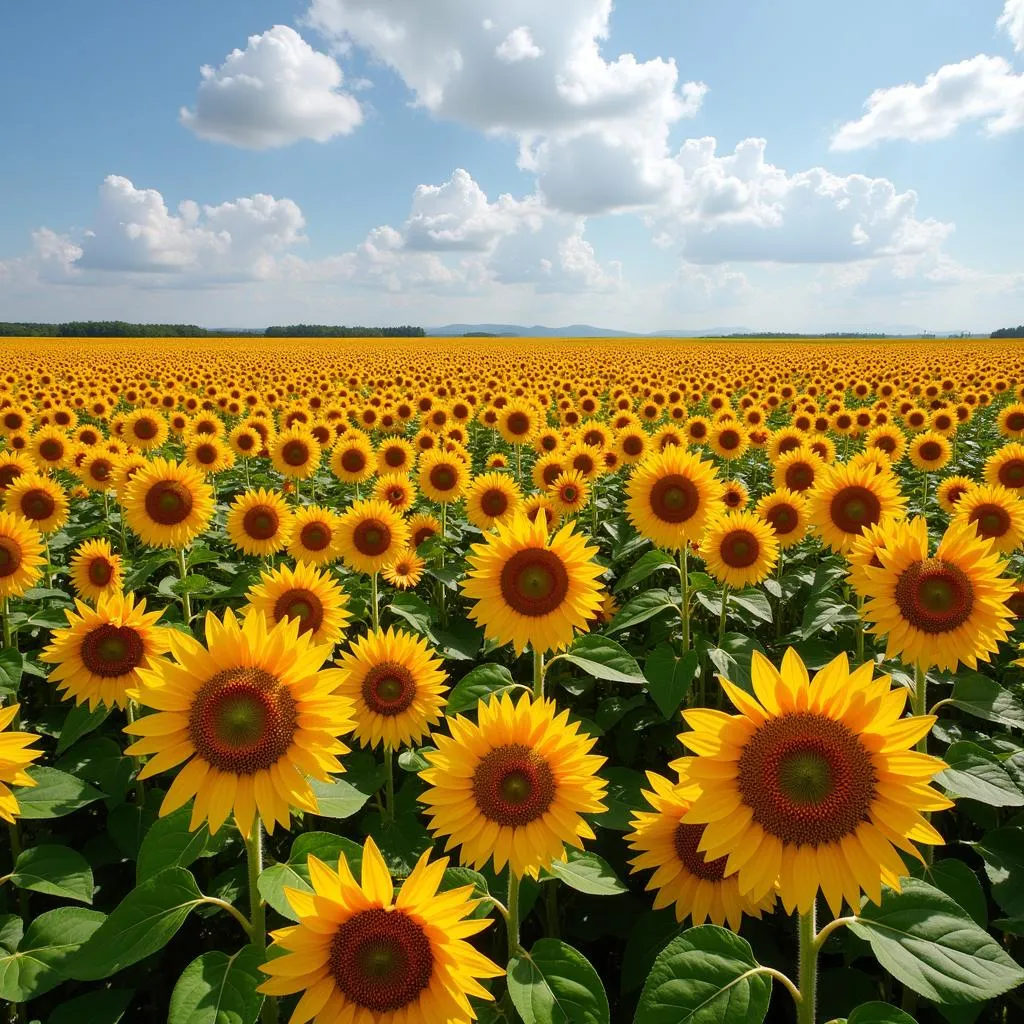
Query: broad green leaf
{"x": 55, "y": 870}
{"x": 653, "y": 930}
{"x": 99, "y": 760}
{"x": 879, "y": 1013}
{"x": 169, "y": 844}
{"x": 602, "y": 658}
{"x": 476, "y": 685}
{"x": 105, "y": 1006}
{"x": 410, "y": 760}
{"x": 142, "y": 923}
{"x": 79, "y": 722}
{"x": 976, "y": 774}
{"x": 669, "y": 677}
{"x": 586, "y": 872}
{"x": 930, "y": 944}
{"x": 294, "y": 873}
{"x": 643, "y": 607}
{"x": 457, "y": 877}
{"x": 703, "y": 977}
{"x": 338, "y": 798}
{"x": 416, "y": 612}
{"x": 40, "y": 962}
{"x": 733, "y": 658}
{"x": 959, "y": 883}
{"x": 11, "y": 664}
{"x": 556, "y": 984}
{"x": 985, "y": 698}
{"x": 55, "y": 794}
{"x": 219, "y": 989}
{"x": 610, "y": 712}
{"x": 643, "y": 567}
{"x": 1003, "y": 852}
{"x": 753, "y": 603}
{"x": 824, "y": 615}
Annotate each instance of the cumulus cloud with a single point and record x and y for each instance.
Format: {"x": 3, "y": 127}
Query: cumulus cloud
{"x": 273, "y": 93}
{"x": 518, "y": 45}
{"x": 981, "y": 88}
{"x": 1012, "y": 22}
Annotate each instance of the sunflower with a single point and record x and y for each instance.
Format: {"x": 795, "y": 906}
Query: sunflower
{"x": 997, "y": 514}
{"x": 846, "y": 499}
{"x": 785, "y": 511}
{"x": 734, "y": 495}
{"x": 585, "y": 459}
{"x": 208, "y": 454}
{"x": 244, "y": 441}
{"x": 492, "y": 498}
{"x": 406, "y": 570}
{"x": 683, "y": 876}
{"x": 889, "y": 440}
{"x": 168, "y": 504}
{"x": 50, "y": 448}
{"x": 370, "y": 534}
{"x": 513, "y": 784}
{"x": 496, "y": 460}
{"x": 124, "y": 469}
{"x": 95, "y": 570}
{"x": 813, "y": 785}
{"x": 546, "y": 470}
{"x": 251, "y": 713}
{"x": 1004, "y": 468}
{"x": 352, "y": 458}
{"x": 395, "y": 455}
{"x": 951, "y": 490}
{"x": 101, "y": 652}
{"x": 145, "y": 429}
{"x": 442, "y": 477}
{"x": 295, "y": 452}
{"x": 303, "y": 593}
{"x": 422, "y": 527}
{"x": 538, "y": 507}
{"x": 532, "y": 589}
{"x": 930, "y": 451}
{"x": 359, "y": 953}
{"x": 798, "y": 470}
{"x": 15, "y": 757}
{"x": 729, "y": 440}
{"x": 1011, "y": 421}
{"x": 396, "y": 685}
{"x": 397, "y": 490}
{"x": 314, "y": 535}
{"x": 631, "y": 444}
{"x": 670, "y": 496}
{"x": 21, "y": 548}
{"x": 260, "y": 522}
{"x": 516, "y": 422}
{"x": 12, "y": 465}
{"x": 940, "y": 610}
{"x": 96, "y": 468}
{"x": 38, "y": 499}
{"x": 569, "y": 493}
{"x": 739, "y": 549}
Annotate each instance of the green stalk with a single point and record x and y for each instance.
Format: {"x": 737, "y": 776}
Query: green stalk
{"x": 860, "y": 631}
{"x": 389, "y": 784}
{"x": 684, "y": 609}
{"x": 538, "y": 674}
{"x": 18, "y": 1012}
{"x": 257, "y": 908}
{"x": 186, "y": 601}
{"x": 375, "y": 610}
{"x": 514, "y": 949}
{"x": 721, "y": 620}
{"x": 140, "y": 786}
{"x": 5, "y": 614}
{"x": 440, "y": 583}
{"x": 808, "y": 975}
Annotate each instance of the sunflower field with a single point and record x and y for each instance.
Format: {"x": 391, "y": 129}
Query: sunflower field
{"x": 553, "y": 682}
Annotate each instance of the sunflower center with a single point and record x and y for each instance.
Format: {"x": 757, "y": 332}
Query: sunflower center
{"x": 371, "y": 537}
{"x": 100, "y": 572}
{"x": 37, "y": 504}
{"x": 260, "y": 522}
{"x": 513, "y": 785}
{"x": 807, "y": 778}
{"x": 206, "y": 454}
{"x": 782, "y": 518}
{"x": 304, "y": 605}
{"x": 991, "y": 520}
{"x": 551, "y": 473}
{"x": 633, "y": 445}
{"x": 686, "y": 840}
{"x": 295, "y": 453}
{"x": 534, "y": 582}
{"x": 732, "y": 498}
{"x": 422, "y": 534}
{"x": 242, "y": 720}
{"x": 518, "y": 423}
{"x": 168, "y": 502}
{"x": 353, "y": 461}
{"x": 570, "y": 493}
{"x": 395, "y": 457}
{"x": 954, "y": 494}
{"x": 8, "y": 474}
{"x": 51, "y": 450}
{"x": 1015, "y": 602}
{"x": 314, "y": 536}
{"x": 145, "y": 430}
{"x": 930, "y": 451}
{"x": 934, "y": 595}
{"x": 494, "y": 503}
{"x": 388, "y": 688}
{"x": 674, "y": 498}
{"x": 886, "y": 444}
{"x": 100, "y": 469}
{"x": 799, "y": 476}
{"x": 442, "y": 478}
{"x": 739, "y": 549}
{"x": 855, "y": 507}
{"x": 381, "y": 960}
{"x": 395, "y": 495}
{"x": 1015, "y": 421}
{"x": 1011, "y": 473}
{"x": 111, "y": 651}
{"x": 10, "y": 556}
{"x": 728, "y": 439}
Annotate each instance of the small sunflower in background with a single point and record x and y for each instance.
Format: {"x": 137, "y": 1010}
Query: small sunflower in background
{"x": 208, "y": 454}
{"x": 12, "y": 465}
{"x": 50, "y": 449}
{"x": 442, "y": 477}
{"x": 492, "y": 498}
{"x": 798, "y": 470}
{"x": 734, "y": 496}
{"x": 314, "y": 535}
{"x": 785, "y": 511}
{"x": 395, "y": 455}
{"x": 739, "y": 549}
{"x": 406, "y": 571}
{"x": 397, "y": 489}
{"x": 846, "y": 499}
{"x": 950, "y": 491}
{"x": 260, "y": 522}
{"x": 145, "y": 429}
{"x": 1011, "y": 421}
{"x": 295, "y": 453}
{"x": 1003, "y": 468}
{"x": 538, "y": 507}
{"x": 569, "y": 493}
{"x": 422, "y": 527}
{"x": 168, "y": 504}
{"x": 310, "y": 596}
{"x": 930, "y": 451}
{"x": 370, "y": 534}
{"x": 21, "y": 555}
{"x": 352, "y": 459}
{"x": 95, "y": 570}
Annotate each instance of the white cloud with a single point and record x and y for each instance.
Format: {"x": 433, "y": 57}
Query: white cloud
{"x": 518, "y": 45}
{"x": 979, "y": 89}
{"x": 274, "y": 93}
{"x": 1012, "y": 20}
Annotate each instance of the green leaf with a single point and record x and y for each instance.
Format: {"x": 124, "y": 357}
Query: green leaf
{"x": 410, "y": 760}
{"x": 702, "y": 977}
{"x": 1003, "y": 852}
{"x": 824, "y": 615}
{"x": 169, "y": 844}
{"x": 643, "y": 607}
{"x": 959, "y": 883}
{"x": 106, "y": 1006}
{"x": 414, "y": 610}
{"x": 55, "y": 794}
{"x": 79, "y": 722}
{"x": 294, "y": 873}
{"x": 556, "y": 984}
{"x": 142, "y": 923}
{"x": 55, "y": 870}
{"x": 478, "y": 685}
{"x": 669, "y": 677}
{"x": 985, "y": 698}
{"x": 879, "y": 1013}
{"x": 602, "y": 658}
{"x": 586, "y": 872}
{"x": 101, "y": 761}
{"x": 219, "y": 989}
{"x": 930, "y": 944}
{"x": 338, "y": 798}
{"x": 753, "y": 603}
{"x": 643, "y": 567}
{"x": 976, "y": 774}
{"x": 653, "y": 930}
{"x": 11, "y": 665}
{"x": 43, "y": 954}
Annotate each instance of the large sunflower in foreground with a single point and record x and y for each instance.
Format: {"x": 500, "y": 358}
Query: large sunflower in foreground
{"x": 168, "y": 504}
{"x": 739, "y": 549}
{"x": 15, "y": 757}
{"x": 370, "y": 535}
{"x": 814, "y": 784}
{"x": 697, "y": 886}
{"x": 311, "y": 596}
{"x": 21, "y": 549}
{"x": 396, "y": 685}
{"x": 937, "y": 610}
{"x": 513, "y": 784}
{"x": 532, "y": 589}
{"x": 253, "y": 716}
{"x": 846, "y": 499}
{"x": 670, "y": 496}
{"x": 361, "y": 953}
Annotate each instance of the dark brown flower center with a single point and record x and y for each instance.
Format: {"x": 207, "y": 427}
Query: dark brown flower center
{"x": 549, "y": 474}
{"x": 100, "y": 469}
{"x": 51, "y": 450}
{"x": 685, "y": 840}
{"x": 782, "y": 518}
{"x": 788, "y": 444}
{"x": 494, "y": 502}
{"x": 739, "y": 549}
{"x": 206, "y": 454}
{"x": 885, "y": 443}
{"x": 934, "y": 595}
{"x": 443, "y": 477}
{"x": 1011, "y": 473}
{"x": 9, "y": 472}
{"x": 799, "y": 476}
{"x": 145, "y": 429}
{"x": 295, "y": 453}
{"x": 304, "y": 605}
{"x": 37, "y": 504}
{"x": 389, "y": 688}
{"x": 395, "y": 457}
{"x": 513, "y": 785}
{"x": 930, "y": 451}
{"x": 315, "y": 536}
{"x": 261, "y": 522}
{"x": 632, "y": 445}
{"x": 518, "y": 423}
{"x": 991, "y": 520}
{"x": 371, "y": 537}
{"x": 423, "y": 533}
{"x": 534, "y": 582}
{"x": 674, "y": 498}
{"x": 855, "y": 507}
{"x": 112, "y": 651}
{"x": 168, "y": 502}
{"x": 729, "y": 440}
{"x": 353, "y": 460}
{"x": 10, "y": 556}
{"x": 1015, "y": 421}
{"x": 100, "y": 571}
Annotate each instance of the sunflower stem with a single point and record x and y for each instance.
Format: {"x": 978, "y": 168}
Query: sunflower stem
{"x": 440, "y": 583}
{"x": 514, "y": 949}
{"x": 5, "y": 614}
{"x": 49, "y": 575}
{"x": 257, "y": 908}
{"x": 808, "y": 976}
{"x": 721, "y": 620}
{"x": 374, "y": 607}
{"x": 389, "y": 784}
{"x": 860, "y": 630}
{"x": 186, "y": 601}
{"x": 920, "y": 707}
{"x": 684, "y": 604}
{"x": 538, "y": 674}
{"x": 140, "y": 787}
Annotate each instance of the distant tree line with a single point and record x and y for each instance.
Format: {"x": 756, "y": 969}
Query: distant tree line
{"x": 1009, "y": 332}
{"x": 122, "y": 329}
{"x": 788, "y": 334}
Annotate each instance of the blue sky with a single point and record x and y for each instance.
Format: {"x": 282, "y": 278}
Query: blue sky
{"x": 665, "y": 164}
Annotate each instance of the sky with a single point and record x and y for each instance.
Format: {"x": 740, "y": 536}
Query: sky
{"x": 643, "y": 165}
